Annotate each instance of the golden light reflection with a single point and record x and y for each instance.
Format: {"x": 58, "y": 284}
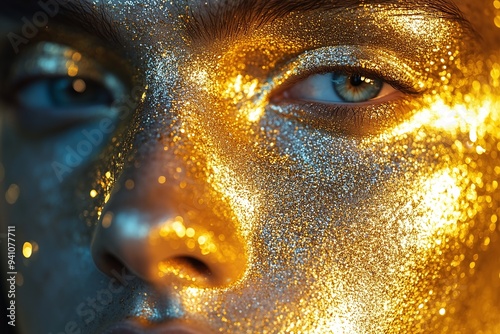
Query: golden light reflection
{"x": 342, "y": 321}
{"x": 107, "y": 220}
{"x": 457, "y": 118}
{"x": 79, "y": 85}
{"x": 200, "y": 77}
{"x": 243, "y": 89}
{"x": 72, "y": 69}
{"x": 196, "y": 238}
{"x": 77, "y": 56}
{"x": 27, "y": 249}
{"x": 167, "y": 267}
{"x": 241, "y": 199}
{"x": 440, "y": 194}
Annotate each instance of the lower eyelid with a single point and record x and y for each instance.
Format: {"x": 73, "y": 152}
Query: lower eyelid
{"x": 347, "y": 119}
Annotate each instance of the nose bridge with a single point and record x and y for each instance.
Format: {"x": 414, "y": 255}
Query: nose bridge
{"x": 160, "y": 224}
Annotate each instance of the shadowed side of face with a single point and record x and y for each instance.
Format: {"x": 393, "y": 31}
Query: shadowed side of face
{"x": 279, "y": 166}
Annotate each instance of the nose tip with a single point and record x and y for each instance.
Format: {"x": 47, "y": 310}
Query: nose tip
{"x": 157, "y": 249}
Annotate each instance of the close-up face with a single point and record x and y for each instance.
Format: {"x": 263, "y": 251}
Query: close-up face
{"x": 279, "y": 166}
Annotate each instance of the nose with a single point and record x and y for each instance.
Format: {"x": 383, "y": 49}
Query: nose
{"x": 158, "y": 230}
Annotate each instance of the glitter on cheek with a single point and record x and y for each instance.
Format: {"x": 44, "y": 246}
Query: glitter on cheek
{"x": 440, "y": 196}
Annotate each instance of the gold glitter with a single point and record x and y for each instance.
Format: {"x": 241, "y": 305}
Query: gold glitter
{"x": 190, "y": 232}
{"x": 72, "y": 70}
{"x": 79, "y": 85}
{"x": 497, "y": 21}
{"x": 12, "y": 193}
{"x": 76, "y": 57}
{"x": 107, "y": 219}
{"x": 129, "y": 184}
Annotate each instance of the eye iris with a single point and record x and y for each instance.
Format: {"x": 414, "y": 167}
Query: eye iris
{"x": 356, "y": 87}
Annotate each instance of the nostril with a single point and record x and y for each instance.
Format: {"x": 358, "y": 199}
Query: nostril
{"x": 184, "y": 267}
{"x": 109, "y": 263}
{"x": 187, "y": 267}
{"x": 155, "y": 251}
{"x": 195, "y": 264}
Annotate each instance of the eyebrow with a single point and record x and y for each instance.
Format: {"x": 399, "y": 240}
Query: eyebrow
{"x": 214, "y": 19}
{"x": 94, "y": 19}
{"x": 80, "y": 15}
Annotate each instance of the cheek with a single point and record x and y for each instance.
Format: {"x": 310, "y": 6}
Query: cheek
{"x": 384, "y": 225}
{"x": 45, "y": 213}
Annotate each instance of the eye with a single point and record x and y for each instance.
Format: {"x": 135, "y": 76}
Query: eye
{"x": 351, "y": 103}
{"x": 48, "y": 103}
{"x": 340, "y": 88}
{"x": 347, "y": 90}
{"x": 60, "y": 93}
{"x": 52, "y": 87}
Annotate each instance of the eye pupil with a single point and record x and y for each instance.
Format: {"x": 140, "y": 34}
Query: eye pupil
{"x": 356, "y": 80}
{"x": 356, "y": 87}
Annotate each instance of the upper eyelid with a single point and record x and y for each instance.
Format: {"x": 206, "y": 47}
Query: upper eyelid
{"x": 81, "y": 37}
{"x": 106, "y": 67}
{"x": 117, "y": 79}
{"x": 48, "y": 58}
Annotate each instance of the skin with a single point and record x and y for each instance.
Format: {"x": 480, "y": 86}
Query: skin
{"x": 218, "y": 199}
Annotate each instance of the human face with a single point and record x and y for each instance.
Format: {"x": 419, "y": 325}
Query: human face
{"x": 274, "y": 166}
